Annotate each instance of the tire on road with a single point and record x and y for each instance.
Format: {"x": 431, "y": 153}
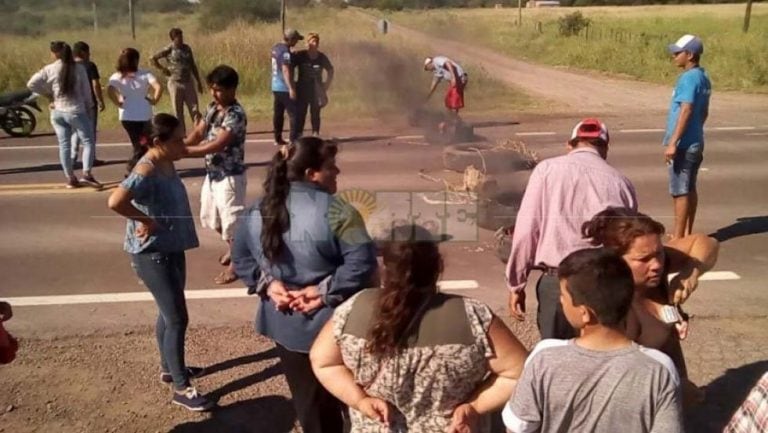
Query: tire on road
{"x": 499, "y": 210}
{"x": 460, "y": 156}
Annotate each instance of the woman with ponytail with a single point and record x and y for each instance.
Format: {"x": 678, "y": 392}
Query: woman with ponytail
{"x": 159, "y": 230}
{"x": 407, "y": 358}
{"x": 316, "y": 252}
{"x": 638, "y": 239}
{"x": 66, "y": 84}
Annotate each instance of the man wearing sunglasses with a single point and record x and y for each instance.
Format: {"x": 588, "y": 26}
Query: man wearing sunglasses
{"x": 684, "y": 137}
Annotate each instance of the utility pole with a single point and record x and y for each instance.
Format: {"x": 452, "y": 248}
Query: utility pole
{"x": 747, "y": 16}
{"x": 95, "y": 17}
{"x": 132, "y": 13}
{"x": 282, "y": 14}
{"x": 520, "y": 12}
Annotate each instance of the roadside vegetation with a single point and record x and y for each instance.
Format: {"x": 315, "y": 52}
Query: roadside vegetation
{"x": 628, "y": 41}
{"x": 376, "y": 75}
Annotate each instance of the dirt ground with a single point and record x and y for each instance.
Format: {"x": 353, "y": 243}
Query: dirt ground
{"x": 110, "y": 383}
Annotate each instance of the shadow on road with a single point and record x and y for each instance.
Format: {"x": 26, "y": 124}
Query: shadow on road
{"x": 200, "y": 171}
{"x": 246, "y": 381}
{"x": 42, "y": 134}
{"x": 243, "y": 360}
{"x": 493, "y": 123}
{"x": 724, "y": 395}
{"x": 52, "y": 167}
{"x": 269, "y": 414}
{"x": 742, "y": 227}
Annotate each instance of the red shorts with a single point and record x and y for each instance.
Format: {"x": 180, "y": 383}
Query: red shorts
{"x": 454, "y": 99}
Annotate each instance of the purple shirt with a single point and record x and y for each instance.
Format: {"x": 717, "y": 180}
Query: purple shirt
{"x": 562, "y": 193}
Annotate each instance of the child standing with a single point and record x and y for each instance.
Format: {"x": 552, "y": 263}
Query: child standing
{"x": 600, "y": 381}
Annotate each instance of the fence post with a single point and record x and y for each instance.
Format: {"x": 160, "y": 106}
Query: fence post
{"x": 539, "y": 27}
{"x": 586, "y": 32}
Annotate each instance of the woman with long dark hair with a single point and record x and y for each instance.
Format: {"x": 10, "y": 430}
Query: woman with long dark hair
{"x": 318, "y": 254}
{"x": 159, "y": 230}
{"x": 408, "y": 358}
{"x": 129, "y": 89}
{"x": 652, "y": 321}
{"x": 66, "y": 84}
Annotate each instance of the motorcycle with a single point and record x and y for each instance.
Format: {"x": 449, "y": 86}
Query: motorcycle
{"x": 15, "y": 118}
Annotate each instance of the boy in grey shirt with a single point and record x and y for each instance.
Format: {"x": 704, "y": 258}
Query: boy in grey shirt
{"x": 599, "y": 382}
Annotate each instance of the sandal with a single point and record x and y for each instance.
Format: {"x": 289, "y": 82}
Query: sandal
{"x": 225, "y": 277}
{"x": 225, "y": 259}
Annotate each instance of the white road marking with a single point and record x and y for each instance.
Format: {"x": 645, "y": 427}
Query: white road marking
{"x": 458, "y": 284}
{"x": 407, "y": 137}
{"x": 534, "y": 134}
{"x": 733, "y": 128}
{"x": 716, "y": 276}
{"x": 639, "y": 131}
{"x": 102, "y": 298}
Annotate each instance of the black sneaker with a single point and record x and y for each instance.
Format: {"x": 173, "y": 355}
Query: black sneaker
{"x": 89, "y": 180}
{"x": 73, "y": 183}
{"x": 192, "y": 400}
{"x": 192, "y": 373}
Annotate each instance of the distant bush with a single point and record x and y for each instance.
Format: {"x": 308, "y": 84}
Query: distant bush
{"x": 572, "y": 24}
{"x": 218, "y": 14}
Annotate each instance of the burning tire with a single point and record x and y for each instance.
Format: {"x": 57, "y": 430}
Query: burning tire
{"x": 499, "y": 210}
{"x": 483, "y": 156}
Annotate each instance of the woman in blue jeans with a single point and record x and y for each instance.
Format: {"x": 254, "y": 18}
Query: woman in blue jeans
{"x": 66, "y": 84}
{"x": 160, "y": 229}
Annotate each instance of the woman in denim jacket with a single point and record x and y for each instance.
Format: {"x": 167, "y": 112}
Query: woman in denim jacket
{"x": 160, "y": 229}
{"x": 316, "y": 252}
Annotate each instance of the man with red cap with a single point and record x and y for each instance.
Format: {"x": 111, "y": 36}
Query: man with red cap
{"x": 562, "y": 193}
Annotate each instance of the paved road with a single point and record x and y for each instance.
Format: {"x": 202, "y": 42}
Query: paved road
{"x": 59, "y": 242}
{"x": 67, "y": 242}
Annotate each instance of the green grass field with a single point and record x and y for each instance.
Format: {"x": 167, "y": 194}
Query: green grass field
{"x": 735, "y": 61}
{"x": 375, "y": 74}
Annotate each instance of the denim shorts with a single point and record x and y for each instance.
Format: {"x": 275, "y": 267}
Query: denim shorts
{"x": 684, "y": 170}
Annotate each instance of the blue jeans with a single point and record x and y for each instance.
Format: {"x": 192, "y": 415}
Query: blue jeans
{"x": 684, "y": 170}
{"x": 93, "y": 115}
{"x": 165, "y": 274}
{"x": 66, "y": 124}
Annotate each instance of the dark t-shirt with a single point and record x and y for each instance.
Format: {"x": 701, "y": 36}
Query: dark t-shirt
{"x": 93, "y": 74}
{"x": 310, "y": 70}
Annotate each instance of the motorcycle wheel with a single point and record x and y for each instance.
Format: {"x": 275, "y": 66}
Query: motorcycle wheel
{"x": 19, "y": 122}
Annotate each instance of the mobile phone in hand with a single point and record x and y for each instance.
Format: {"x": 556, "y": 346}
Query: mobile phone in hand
{"x": 671, "y": 314}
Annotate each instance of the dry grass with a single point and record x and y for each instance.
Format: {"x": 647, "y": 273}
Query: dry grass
{"x": 375, "y": 74}
{"x": 735, "y": 61}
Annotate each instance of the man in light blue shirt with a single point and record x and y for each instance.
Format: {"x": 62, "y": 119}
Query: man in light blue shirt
{"x": 684, "y": 137}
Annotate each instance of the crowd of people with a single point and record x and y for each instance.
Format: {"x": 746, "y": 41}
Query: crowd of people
{"x": 363, "y": 333}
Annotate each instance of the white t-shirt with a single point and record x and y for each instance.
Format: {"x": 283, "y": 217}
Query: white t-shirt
{"x": 442, "y": 71}
{"x": 134, "y": 90}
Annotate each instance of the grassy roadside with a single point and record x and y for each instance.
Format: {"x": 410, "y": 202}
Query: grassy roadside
{"x": 734, "y": 60}
{"x": 376, "y": 75}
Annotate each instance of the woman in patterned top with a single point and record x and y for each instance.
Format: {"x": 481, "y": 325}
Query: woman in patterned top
{"x": 407, "y": 358}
